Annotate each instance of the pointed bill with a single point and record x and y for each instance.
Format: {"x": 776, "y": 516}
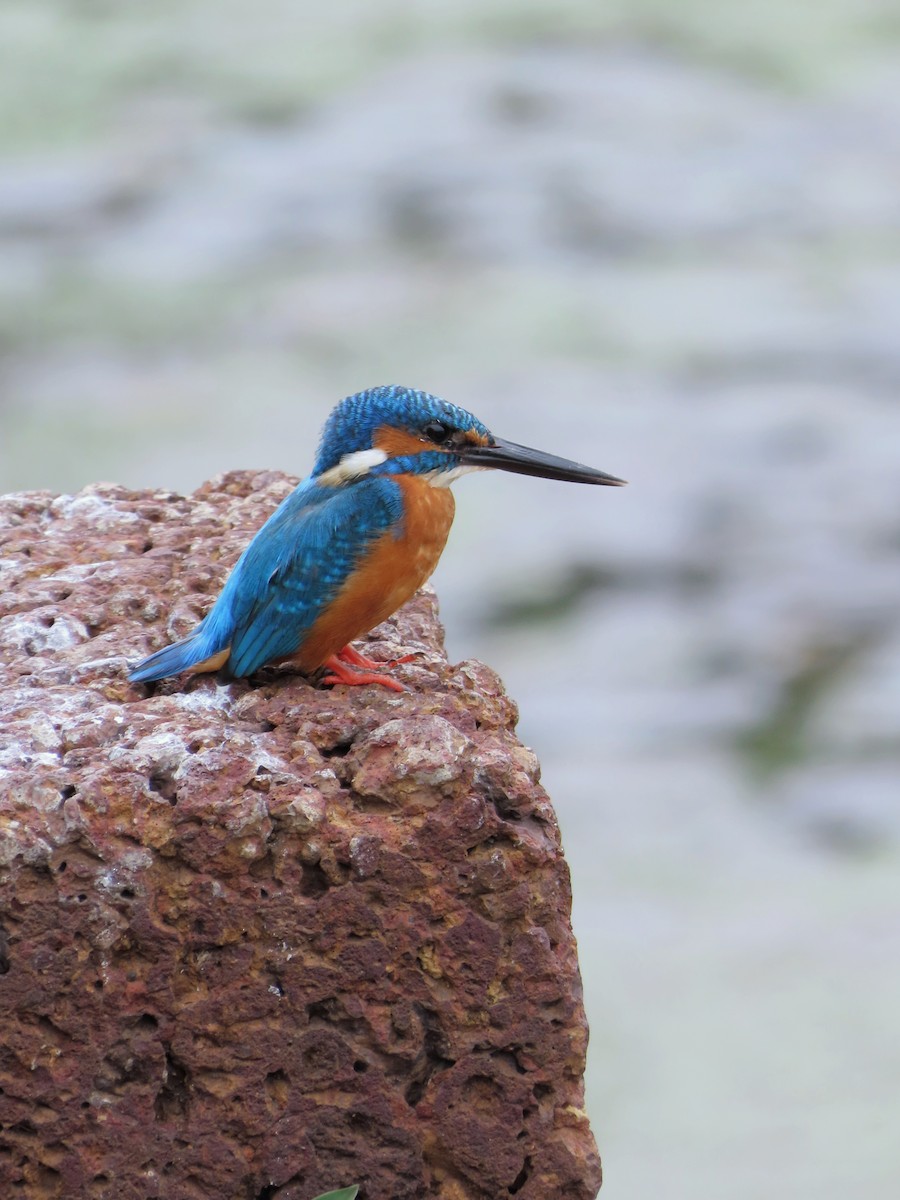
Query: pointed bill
{"x": 522, "y": 460}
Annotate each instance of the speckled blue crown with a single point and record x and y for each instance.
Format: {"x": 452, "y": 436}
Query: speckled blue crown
{"x": 353, "y": 422}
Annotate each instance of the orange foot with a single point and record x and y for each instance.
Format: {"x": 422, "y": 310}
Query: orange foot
{"x": 345, "y": 668}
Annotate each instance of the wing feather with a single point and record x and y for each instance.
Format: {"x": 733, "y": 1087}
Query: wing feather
{"x": 298, "y": 562}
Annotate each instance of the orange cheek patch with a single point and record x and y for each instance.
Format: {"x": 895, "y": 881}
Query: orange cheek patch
{"x": 397, "y": 442}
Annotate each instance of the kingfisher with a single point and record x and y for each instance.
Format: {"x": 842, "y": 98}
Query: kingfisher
{"x": 354, "y": 540}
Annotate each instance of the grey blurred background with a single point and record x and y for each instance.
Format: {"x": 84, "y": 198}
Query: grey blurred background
{"x": 661, "y": 238}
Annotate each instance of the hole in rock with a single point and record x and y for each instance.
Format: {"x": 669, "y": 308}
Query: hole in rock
{"x": 322, "y": 1010}
{"x": 314, "y": 882}
{"x": 277, "y": 1087}
{"x": 510, "y": 1058}
{"x": 338, "y": 750}
{"x": 430, "y": 1058}
{"x": 164, "y": 786}
{"x": 521, "y": 1179}
{"x": 172, "y": 1098}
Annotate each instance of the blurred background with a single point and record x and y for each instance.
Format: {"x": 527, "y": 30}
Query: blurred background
{"x": 660, "y": 238}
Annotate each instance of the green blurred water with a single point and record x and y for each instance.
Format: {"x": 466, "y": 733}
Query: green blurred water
{"x": 662, "y": 239}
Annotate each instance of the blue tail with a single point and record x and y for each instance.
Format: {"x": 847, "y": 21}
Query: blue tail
{"x": 174, "y": 659}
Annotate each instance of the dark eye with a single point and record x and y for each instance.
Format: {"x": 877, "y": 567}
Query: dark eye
{"x": 438, "y": 432}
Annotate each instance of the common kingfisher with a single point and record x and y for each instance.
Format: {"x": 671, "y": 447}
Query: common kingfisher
{"x": 353, "y": 542}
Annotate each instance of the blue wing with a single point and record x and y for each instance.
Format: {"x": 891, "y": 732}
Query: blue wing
{"x": 285, "y": 578}
{"x": 294, "y": 567}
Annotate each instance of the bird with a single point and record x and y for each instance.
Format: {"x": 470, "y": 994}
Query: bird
{"x": 353, "y": 542}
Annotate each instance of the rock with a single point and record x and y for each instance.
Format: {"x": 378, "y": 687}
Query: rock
{"x": 262, "y": 938}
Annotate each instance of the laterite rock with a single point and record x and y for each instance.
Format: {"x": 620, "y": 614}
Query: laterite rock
{"x": 261, "y": 938}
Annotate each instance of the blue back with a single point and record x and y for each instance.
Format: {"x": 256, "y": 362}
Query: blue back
{"x": 295, "y": 566}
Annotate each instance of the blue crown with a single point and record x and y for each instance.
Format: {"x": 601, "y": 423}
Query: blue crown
{"x": 354, "y": 421}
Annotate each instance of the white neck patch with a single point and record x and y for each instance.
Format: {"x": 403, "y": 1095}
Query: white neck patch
{"x": 449, "y": 475}
{"x": 352, "y": 466}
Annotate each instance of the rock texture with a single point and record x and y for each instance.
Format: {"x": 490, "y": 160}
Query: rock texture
{"x": 262, "y": 938}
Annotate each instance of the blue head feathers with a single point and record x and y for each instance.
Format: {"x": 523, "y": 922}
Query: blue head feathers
{"x": 354, "y": 422}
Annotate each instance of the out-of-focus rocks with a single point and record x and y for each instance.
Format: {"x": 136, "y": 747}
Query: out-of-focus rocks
{"x": 262, "y": 938}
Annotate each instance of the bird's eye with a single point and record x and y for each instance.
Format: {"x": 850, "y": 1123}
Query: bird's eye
{"x": 438, "y": 432}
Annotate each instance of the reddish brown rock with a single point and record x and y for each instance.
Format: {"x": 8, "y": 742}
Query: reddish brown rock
{"x": 262, "y": 938}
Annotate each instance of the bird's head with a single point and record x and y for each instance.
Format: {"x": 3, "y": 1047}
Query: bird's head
{"x": 395, "y": 430}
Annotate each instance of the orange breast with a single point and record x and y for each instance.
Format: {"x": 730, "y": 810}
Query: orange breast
{"x": 392, "y": 572}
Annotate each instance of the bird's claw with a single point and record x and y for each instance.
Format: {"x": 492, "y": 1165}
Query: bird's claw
{"x": 350, "y": 667}
{"x": 354, "y": 659}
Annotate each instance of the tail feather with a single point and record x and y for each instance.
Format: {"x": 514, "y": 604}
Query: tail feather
{"x": 193, "y": 651}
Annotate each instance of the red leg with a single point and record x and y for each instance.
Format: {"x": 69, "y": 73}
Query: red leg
{"x": 355, "y": 659}
{"x": 343, "y": 672}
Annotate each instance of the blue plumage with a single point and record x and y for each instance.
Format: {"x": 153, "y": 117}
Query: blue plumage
{"x": 286, "y": 577}
{"x": 353, "y": 423}
{"x": 174, "y": 659}
{"x": 313, "y": 541}
{"x": 383, "y": 460}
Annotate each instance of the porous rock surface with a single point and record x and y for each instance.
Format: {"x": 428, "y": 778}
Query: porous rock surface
{"x": 264, "y": 939}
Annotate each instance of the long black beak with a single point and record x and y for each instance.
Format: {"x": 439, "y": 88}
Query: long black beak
{"x": 522, "y": 460}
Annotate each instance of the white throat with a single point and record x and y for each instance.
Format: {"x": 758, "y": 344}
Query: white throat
{"x": 443, "y": 478}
